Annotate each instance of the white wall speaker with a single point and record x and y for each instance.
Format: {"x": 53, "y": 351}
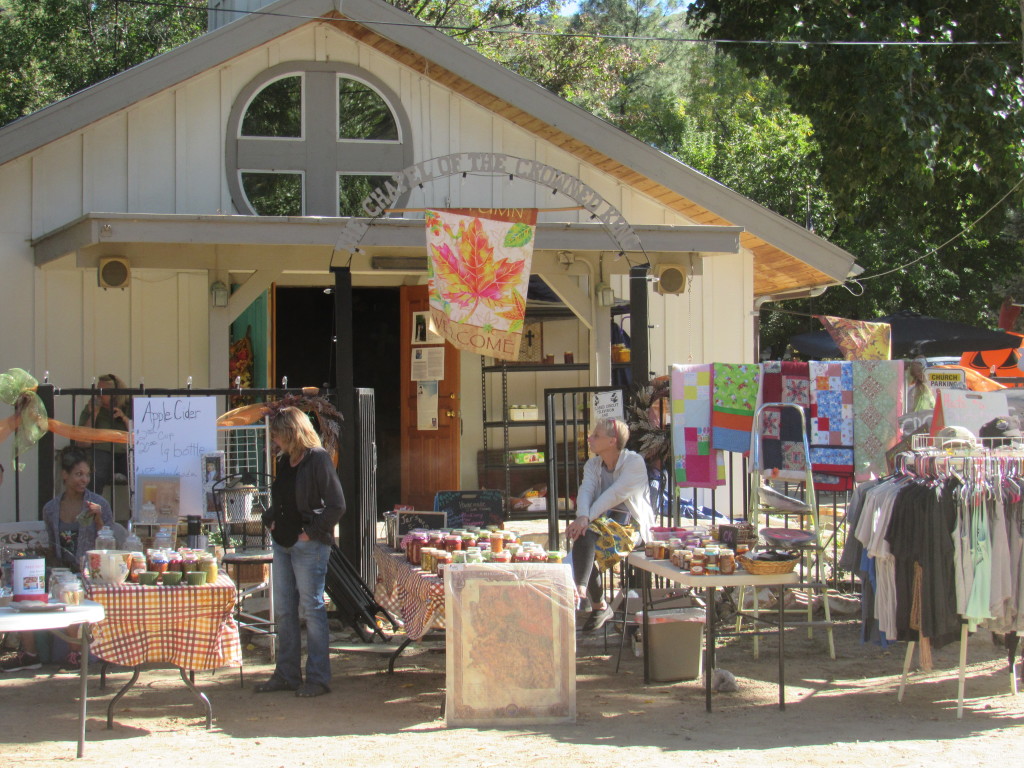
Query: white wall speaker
{"x": 671, "y": 279}
{"x": 114, "y": 273}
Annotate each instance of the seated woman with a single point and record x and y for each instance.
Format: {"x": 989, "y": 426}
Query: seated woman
{"x": 615, "y": 485}
{"x": 72, "y": 520}
{"x": 107, "y": 412}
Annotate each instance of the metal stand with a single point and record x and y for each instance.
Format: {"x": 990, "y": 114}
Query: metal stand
{"x": 188, "y": 679}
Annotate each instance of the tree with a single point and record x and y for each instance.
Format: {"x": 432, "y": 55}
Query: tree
{"x": 49, "y": 49}
{"x": 918, "y": 141}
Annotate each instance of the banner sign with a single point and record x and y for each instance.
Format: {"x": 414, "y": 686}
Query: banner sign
{"x": 479, "y": 272}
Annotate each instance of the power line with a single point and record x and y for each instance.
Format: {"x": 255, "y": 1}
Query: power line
{"x": 504, "y": 30}
{"x": 938, "y": 248}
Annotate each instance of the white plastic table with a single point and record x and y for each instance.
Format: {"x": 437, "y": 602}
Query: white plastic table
{"x": 86, "y": 614}
{"x": 741, "y": 578}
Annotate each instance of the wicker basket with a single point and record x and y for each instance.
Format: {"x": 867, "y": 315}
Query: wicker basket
{"x": 768, "y": 567}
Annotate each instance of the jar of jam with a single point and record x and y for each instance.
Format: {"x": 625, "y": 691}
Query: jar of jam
{"x": 522, "y": 556}
{"x": 726, "y": 562}
{"x": 501, "y": 557}
{"x": 513, "y": 549}
{"x": 468, "y": 540}
{"x": 697, "y": 562}
{"x": 442, "y": 561}
{"x": 555, "y": 555}
{"x": 157, "y": 562}
{"x": 459, "y": 556}
{"x": 538, "y": 555}
{"x": 474, "y": 555}
{"x": 427, "y": 555}
{"x": 137, "y": 566}
{"x": 208, "y": 564}
{"x": 414, "y": 542}
{"x": 452, "y": 542}
{"x": 435, "y": 539}
{"x": 651, "y": 550}
{"x": 497, "y": 539}
{"x": 174, "y": 562}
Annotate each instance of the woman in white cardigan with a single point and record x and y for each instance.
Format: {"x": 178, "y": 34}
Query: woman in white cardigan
{"x": 615, "y": 485}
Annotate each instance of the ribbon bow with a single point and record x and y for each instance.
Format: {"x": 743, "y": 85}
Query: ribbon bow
{"x": 29, "y": 422}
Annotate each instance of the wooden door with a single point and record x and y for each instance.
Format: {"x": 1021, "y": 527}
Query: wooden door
{"x": 430, "y": 457}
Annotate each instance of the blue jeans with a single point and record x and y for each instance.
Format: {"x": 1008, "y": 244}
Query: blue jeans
{"x": 299, "y": 575}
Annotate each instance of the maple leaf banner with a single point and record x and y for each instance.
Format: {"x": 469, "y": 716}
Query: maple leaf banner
{"x": 479, "y": 271}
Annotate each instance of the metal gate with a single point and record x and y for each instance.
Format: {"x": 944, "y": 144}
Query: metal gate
{"x": 567, "y": 421}
{"x": 366, "y": 441}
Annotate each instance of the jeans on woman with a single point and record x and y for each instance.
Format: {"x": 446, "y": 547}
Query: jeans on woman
{"x": 583, "y": 570}
{"x": 299, "y": 575}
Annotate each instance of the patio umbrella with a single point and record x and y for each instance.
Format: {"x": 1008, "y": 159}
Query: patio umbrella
{"x": 913, "y": 335}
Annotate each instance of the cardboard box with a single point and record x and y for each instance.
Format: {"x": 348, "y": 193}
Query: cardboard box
{"x": 249, "y": 573}
{"x": 663, "y": 599}
{"x": 524, "y": 413}
{"x": 527, "y": 456}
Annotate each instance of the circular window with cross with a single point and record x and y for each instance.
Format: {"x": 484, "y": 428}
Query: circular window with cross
{"x": 313, "y": 139}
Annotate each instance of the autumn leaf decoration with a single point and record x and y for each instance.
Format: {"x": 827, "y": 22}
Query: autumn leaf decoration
{"x": 475, "y": 277}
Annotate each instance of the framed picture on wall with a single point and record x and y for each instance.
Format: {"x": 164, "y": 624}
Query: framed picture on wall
{"x": 423, "y": 330}
{"x": 213, "y": 468}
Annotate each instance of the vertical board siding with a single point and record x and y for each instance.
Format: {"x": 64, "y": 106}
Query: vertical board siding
{"x": 151, "y": 166}
{"x": 105, "y": 165}
{"x": 199, "y": 153}
{"x": 56, "y": 184}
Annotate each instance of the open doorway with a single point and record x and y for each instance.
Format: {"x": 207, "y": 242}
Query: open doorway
{"x": 304, "y": 346}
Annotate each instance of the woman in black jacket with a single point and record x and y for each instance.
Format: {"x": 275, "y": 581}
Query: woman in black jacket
{"x": 306, "y": 504}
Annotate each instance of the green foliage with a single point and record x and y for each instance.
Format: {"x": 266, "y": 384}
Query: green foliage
{"x": 917, "y": 142}
{"x": 49, "y": 49}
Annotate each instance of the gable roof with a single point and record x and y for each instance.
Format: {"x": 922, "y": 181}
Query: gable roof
{"x": 787, "y": 257}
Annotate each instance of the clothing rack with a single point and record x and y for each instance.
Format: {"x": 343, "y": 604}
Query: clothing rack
{"x": 985, "y": 466}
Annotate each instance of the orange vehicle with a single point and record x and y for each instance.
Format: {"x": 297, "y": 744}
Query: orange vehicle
{"x": 997, "y": 363}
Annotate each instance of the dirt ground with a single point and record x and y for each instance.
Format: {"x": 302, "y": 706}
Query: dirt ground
{"x": 844, "y": 712}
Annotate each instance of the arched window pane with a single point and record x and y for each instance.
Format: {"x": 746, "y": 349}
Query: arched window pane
{"x": 363, "y": 114}
{"x": 274, "y": 194}
{"x": 353, "y": 189}
{"x": 276, "y": 110}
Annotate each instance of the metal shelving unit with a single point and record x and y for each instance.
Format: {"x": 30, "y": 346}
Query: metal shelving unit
{"x": 504, "y": 424}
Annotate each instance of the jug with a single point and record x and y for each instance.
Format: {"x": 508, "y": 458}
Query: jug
{"x": 114, "y": 569}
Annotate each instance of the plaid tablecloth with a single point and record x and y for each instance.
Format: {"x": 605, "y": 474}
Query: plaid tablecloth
{"x": 189, "y": 627}
{"x": 407, "y": 591}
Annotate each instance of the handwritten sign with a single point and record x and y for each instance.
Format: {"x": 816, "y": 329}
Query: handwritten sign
{"x": 607, "y": 405}
{"x": 465, "y": 508}
{"x": 410, "y": 521}
{"x": 171, "y": 436}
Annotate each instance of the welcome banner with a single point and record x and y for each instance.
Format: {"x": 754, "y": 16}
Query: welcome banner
{"x": 479, "y": 271}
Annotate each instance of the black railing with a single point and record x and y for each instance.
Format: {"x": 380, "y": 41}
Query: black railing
{"x": 67, "y": 404}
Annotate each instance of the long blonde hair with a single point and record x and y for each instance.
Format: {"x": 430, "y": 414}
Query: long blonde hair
{"x": 295, "y": 431}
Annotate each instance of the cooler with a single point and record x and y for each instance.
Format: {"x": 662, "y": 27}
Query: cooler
{"x": 674, "y": 643}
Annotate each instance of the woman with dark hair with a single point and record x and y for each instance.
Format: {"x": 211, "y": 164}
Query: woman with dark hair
{"x": 105, "y": 411}
{"x": 306, "y": 503}
{"x": 72, "y": 520}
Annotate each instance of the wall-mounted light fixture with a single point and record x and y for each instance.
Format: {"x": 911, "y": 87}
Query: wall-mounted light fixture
{"x": 219, "y": 294}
